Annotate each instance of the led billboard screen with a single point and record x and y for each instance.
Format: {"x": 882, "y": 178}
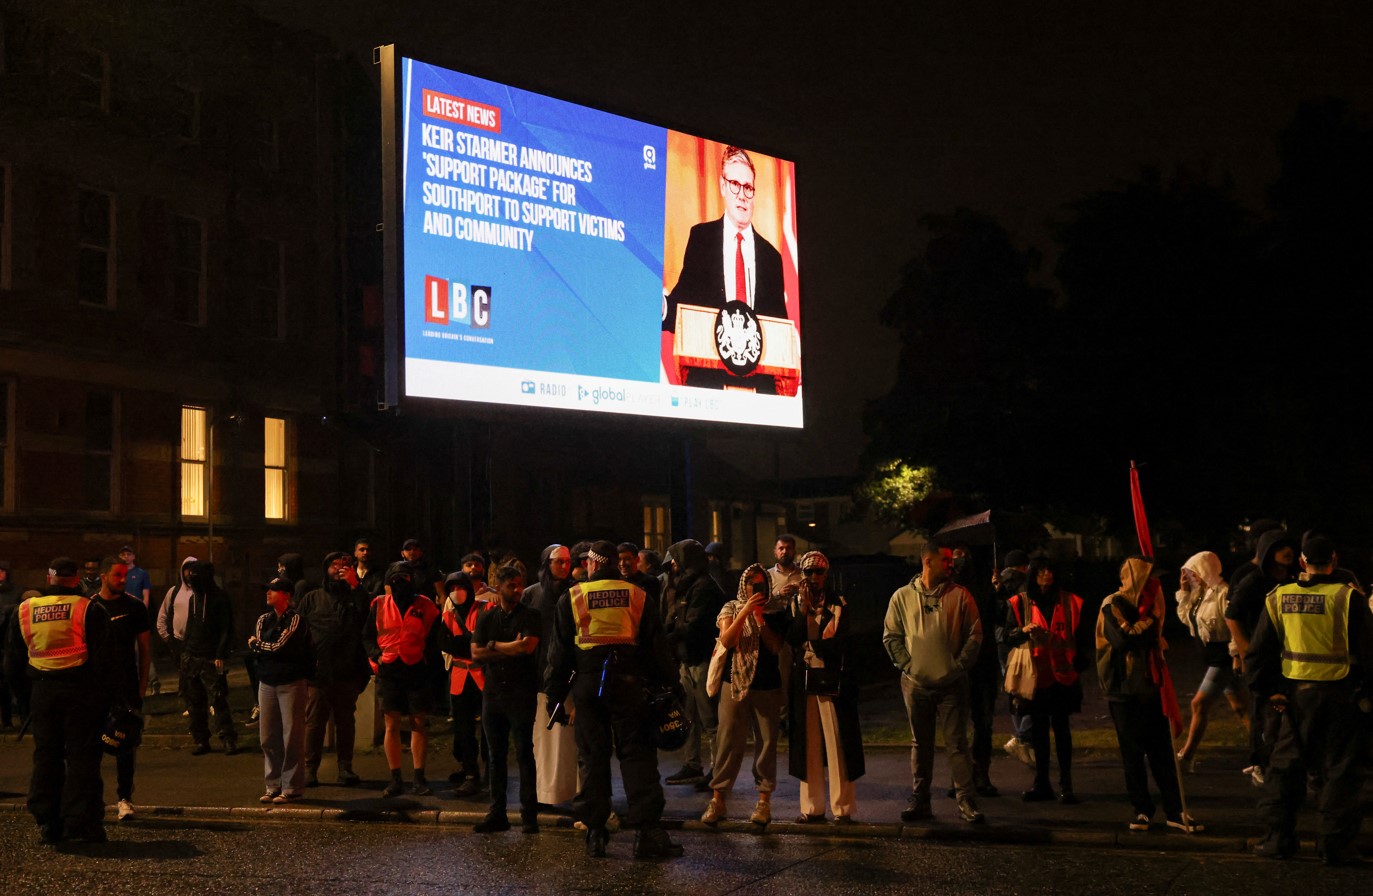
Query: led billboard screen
{"x": 558, "y": 256}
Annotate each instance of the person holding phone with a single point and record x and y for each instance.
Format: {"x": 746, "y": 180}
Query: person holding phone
{"x": 752, "y": 627}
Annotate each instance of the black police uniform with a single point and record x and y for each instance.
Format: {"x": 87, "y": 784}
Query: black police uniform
{"x": 67, "y": 708}
{"x": 611, "y": 703}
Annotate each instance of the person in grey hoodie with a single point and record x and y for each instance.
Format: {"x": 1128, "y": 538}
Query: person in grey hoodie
{"x": 933, "y": 634}
{"x": 171, "y": 620}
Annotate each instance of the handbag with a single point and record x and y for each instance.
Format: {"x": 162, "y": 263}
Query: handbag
{"x": 1020, "y": 668}
{"x": 715, "y": 674}
{"x": 1020, "y": 672}
{"x": 822, "y": 681}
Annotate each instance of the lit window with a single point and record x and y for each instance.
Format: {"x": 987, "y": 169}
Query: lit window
{"x": 656, "y": 519}
{"x": 194, "y": 466}
{"x": 95, "y": 280}
{"x": 717, "y": 525}
{"x": 274, "y": 468}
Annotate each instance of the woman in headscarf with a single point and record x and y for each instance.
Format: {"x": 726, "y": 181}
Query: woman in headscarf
{"x": 1049, "y": 618}
{"x": 751, "y": 629}
{"x": 825, "y": 733}
{"x": 555, "y": 750}
{"x": 1201, "y": 601}
{"x": 1139, "y": 692}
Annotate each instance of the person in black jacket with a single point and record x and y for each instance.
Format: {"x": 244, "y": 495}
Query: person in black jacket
{"x": 335, "y": 612}
{"x": 691, "y": 633}
{"x": 984, "y": 678}
{"x": 209, "y": 636}
{"x": 285, "y": 660}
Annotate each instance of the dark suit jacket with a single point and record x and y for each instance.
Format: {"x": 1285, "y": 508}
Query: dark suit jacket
{"x": 702, "y": 281}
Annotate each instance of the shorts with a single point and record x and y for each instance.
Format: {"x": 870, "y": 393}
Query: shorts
{"x": 1218, "y": 680}
{"x": 407, "y": 695}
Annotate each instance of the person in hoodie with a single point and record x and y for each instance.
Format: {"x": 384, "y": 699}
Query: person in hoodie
{"x": 285, "y": 662}
{"x": 335, "y": 613}
{"x": 1275, "y": 558}
{"x": 1134, "y": 678}
{"x": 1202, "y": 598}
{"x": 555, "y": 748}
{"x": 209, "y": 638}
{"x": 171, "y": 619}
{"x": 933, "y": 633}
{"x": 691, "y": 632}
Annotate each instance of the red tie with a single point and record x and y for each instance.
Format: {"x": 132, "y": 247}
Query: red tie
{"x": 740, "y": 276}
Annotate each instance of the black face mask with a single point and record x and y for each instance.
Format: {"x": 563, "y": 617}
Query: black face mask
{"x": 960, "y": 565}
{"x": 402, "y": 590}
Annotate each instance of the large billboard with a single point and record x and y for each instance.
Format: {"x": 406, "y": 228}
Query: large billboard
{"x": 557, "y": 256}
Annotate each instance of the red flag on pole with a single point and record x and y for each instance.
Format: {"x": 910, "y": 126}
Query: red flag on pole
{"x": 1152, "y": 603}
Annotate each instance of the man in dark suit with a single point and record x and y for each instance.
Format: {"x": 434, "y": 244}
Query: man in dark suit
{"x": 726, "y": 259}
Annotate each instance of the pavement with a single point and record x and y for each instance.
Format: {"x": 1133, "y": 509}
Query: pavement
{"x": 173, "y": 784}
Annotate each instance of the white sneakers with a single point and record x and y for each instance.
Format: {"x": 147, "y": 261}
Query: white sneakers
{"x": 1018, "y": 749}
{"x": 125, "y": 810}
{"x": 1255, "y": 773}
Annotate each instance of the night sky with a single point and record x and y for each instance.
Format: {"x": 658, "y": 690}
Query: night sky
{"x": 896, "y": 110}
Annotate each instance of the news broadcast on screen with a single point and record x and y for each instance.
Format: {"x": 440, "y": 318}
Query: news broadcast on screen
{"x": 558, "y": 256}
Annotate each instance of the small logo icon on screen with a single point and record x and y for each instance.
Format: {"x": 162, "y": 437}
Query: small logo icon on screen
{"x": 650, "y": 158}
{"x": 527, "y": 387}
{"x": 675, "y": 401}
{"x": 581, "y": 393}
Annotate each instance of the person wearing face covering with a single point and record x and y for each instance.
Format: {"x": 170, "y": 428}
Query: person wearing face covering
{"x": 1049, "y": 618}
{"x": 825, "y": 732}
{"x": 209, "y": 638}
{"x": 285, "y": 661}
{"x": 401, "y": 637}
{"x": 697, "y": 600}
{"x": 1130, "y": 664}
{"x": 335, "y": 612}
{"x": 1201, "y": 601}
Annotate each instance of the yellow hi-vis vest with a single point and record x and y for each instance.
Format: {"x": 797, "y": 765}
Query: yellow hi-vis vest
{"x": 606, "y": 611}
{"x": 54, "y": 628}
{"x": 1313, "y": 621}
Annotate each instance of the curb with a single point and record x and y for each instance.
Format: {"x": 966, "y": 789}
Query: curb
{"x": 988, "y": 834}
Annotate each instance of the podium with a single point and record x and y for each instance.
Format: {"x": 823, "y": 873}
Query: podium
{"x": 696, "y": 354}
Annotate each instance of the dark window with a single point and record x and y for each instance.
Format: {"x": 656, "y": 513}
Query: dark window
{"x": 93, "y": 80}
{"x": 4, "y": 225}
{"x": 269, "y": 291}
{"x": 266, "y": 140}
{"x": 188, "y": 270}
{"x": 95, "y": 262}
{"x": 184, "y": 112}
{"x": 99, "y": 454}
{"x": 5, "y": 453}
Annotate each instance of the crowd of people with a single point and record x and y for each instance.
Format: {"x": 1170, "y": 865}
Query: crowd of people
{"x": 572, "y": 661}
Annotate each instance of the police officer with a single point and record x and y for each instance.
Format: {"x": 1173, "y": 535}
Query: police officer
{"x": 64, "y": 637}
{"x": 1310, "y": 658}
{"x": 610, "y": 634}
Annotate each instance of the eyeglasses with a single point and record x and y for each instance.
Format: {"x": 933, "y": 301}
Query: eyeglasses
{"x": 735, "y": 187}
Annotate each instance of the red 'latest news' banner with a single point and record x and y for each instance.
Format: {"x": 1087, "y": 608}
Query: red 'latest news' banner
{"x": 460, "y": 111}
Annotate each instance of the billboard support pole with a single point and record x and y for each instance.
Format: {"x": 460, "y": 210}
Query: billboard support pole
{"x": 385, "y": 56}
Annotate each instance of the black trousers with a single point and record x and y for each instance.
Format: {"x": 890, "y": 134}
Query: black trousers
{"x": 508, "y": 713}
{"x": 1040, "y": 723}
{"x": 466, "y": 709}
{"x": 1319, "y": 732}
{"x": 982, "y": 695}
{"x": 66, "y": 787}
{"x": 1143, "y": 734}
{"x": 618, "y": 722}
{"x": 204, "y": 687}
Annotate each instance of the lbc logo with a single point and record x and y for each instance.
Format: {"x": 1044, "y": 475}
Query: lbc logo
{"x": 448, "y": 302}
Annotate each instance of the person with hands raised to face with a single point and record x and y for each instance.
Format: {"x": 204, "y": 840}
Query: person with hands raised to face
{"x": 822, "y": 709}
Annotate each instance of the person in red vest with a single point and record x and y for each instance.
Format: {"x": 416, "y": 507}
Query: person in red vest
{"x": 1050, "y": 619}
{"x": 465, "y": 678}
{"x": 402, "y": 643}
